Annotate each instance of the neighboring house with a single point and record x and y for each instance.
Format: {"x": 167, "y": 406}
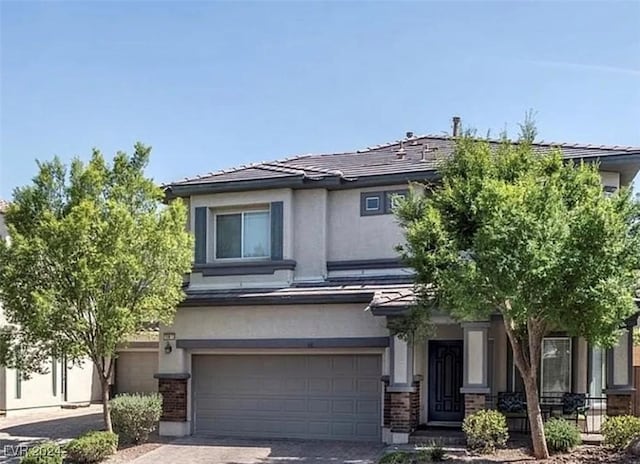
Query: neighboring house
{"x": 284, "y": 329}
{"x": 66, "y": 387}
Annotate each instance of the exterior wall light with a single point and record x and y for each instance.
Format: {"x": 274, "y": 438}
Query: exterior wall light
{"x": 167, "y": 348}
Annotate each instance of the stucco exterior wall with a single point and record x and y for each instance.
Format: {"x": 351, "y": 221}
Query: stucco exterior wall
{"x": 354, "y": 237}
{"x": 280, "y": 278}
{"x": 260, "y": 322}
{"x": 610, "y": 179}
{"x": 38, "y": 391}
{"x": 310, "y": 234}
{"x": 286, "y": 321}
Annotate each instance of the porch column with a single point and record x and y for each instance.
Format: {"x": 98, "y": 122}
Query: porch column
{"x": 174, "y": 373}
{"x": 475, "y": 379}
{"x": 620, "y": 375}
{"x": 399, "y": 392}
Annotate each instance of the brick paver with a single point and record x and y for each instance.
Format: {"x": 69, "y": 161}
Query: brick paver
{"x": 201, "y": 450}
{"x": 59, "y": 425}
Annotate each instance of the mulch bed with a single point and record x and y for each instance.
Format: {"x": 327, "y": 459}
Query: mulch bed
{"x": 582, "y": 455}
{"x": 127, "y": 453}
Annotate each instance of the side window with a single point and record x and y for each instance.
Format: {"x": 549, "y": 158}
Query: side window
{"x": 374, "y": 203}
{"x": 391, "y": 198}
{"x": 371, "y": 203}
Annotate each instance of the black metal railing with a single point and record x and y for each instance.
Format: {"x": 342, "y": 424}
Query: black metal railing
{"x": 588, "y": 418}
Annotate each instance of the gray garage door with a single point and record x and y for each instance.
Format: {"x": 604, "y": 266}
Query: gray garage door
{"x": 335, "y": 397}
{"x": 135, "y": 370}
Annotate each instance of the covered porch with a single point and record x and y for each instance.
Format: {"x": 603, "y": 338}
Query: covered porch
{"x": 465, "y": 367}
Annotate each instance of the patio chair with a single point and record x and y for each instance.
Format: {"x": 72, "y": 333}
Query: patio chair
{"x": 574, "y": 407}
{"x": 513, "y": 406}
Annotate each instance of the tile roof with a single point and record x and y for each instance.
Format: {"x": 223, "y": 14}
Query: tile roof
{"x": 373, "y": 294}
{"x": 411, "y": 155}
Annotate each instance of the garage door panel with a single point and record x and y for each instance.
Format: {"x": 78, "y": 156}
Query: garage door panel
{"x": 343, "y": 386}
{"x": 319, "y": 396}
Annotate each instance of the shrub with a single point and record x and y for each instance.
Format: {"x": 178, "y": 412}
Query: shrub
{"x": 618, "y": 431}
{"x": 434, "y": 453}
{"x": 45, "y": 453}
{"x": 92, "y": 447}
{"x": 562, "y": 436}
{"x": 485, "y": 430}
{"x": 396, "y": 457}
{"x": 135, "y": 416}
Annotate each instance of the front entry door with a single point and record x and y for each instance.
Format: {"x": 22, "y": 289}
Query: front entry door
{"x": 445, "y": 380}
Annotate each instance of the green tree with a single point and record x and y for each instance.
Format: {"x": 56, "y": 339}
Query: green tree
{"x": 526, "y": 235}
{"x": 93, "y": 258}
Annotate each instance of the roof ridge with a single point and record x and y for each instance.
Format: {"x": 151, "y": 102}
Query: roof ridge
{"x": 495, "y": 140}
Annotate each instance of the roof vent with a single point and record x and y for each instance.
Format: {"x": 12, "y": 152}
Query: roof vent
{"x": 401, "y": 153}
{"x": 410, "y": 134}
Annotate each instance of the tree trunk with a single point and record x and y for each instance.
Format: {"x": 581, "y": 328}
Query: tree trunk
{"x": 526, "y": 355}
{"x": 106, "y": 415}
{"x": 538, "y": 440}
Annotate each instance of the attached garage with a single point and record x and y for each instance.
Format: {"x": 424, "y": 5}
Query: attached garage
{"x": 135, "y": 371}
{"x": 334, "y": 397}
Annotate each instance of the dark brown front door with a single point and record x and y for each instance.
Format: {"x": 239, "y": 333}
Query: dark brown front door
{"x": 445, "y": 380}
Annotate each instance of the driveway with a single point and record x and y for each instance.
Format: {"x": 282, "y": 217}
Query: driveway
{"x": 201, "y": 450}
{"x": 18, "y": 433}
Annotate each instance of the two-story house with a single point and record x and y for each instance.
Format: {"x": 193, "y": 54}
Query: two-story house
{"x": 283, "y": 332}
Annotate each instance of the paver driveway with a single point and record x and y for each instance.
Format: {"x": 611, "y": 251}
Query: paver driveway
{"x": 201, "y": 450}
{"x": 58, "y": 425}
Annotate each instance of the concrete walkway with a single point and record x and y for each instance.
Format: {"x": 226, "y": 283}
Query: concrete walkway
{"x": 19, "y": 432}
{"x": 201, "y": 450}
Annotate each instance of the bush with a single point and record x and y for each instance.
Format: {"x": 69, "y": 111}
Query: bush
{"x": 45, "y": 453}
{"x": 485, "y": 431}
{"x": 434, "y": 453}
{"x": 135, "y": 416}
{"x": 562, "y": 436}
{"x": 618, "y": 431}
{"x": 92, "y": 447}
{"x": 396, "y": 457}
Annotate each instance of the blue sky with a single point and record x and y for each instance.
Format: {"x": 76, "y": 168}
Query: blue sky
{"x": 212, "y": 84}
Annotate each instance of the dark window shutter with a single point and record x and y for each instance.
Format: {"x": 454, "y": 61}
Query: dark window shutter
{"x": 201, "y": 235}
{"x": 276, "y": 230}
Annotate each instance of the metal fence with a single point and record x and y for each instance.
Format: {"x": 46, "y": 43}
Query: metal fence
{"x": 589, "y": 420}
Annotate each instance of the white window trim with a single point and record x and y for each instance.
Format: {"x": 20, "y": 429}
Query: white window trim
{"x": 372, "y": 197}
{"x": 542, "y": 361}
{"x": 241, "y": 212}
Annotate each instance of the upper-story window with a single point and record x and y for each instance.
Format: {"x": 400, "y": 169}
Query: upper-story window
{"x": 374, "y": 203}
{"x": 244, "y": 234}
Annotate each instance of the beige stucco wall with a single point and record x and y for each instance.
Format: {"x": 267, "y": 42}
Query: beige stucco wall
{"x": 610, "y": 179}
{"x": 351, "y": 236}
{"x": 258, "y": 322}
{"x": 285, "y": 321}
{"x": 37, "y": 391}
{"x": 310, "y": 234}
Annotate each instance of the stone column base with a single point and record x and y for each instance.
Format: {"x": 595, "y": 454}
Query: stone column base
{"x": 619, "y": 404}
{"x": 474, "y": 402}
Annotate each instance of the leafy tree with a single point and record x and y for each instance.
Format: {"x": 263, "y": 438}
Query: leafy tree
{"x": 526, "y": 235}
{"x": 93, "y": 258}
